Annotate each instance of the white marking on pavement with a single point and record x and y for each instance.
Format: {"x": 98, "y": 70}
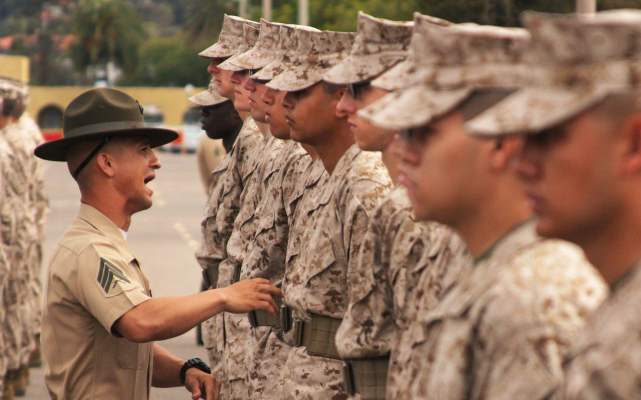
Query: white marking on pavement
{"x": 186, "y": 236}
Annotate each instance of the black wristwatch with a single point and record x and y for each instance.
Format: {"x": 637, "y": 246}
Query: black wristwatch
{"x": 193, "y": 363}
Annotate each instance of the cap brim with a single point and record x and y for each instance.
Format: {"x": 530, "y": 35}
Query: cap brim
{"x": 531, "y": 110}
{"x": 217, "y": 50}
{"x": 207, "y": 98}
{"x": 413, "y": 107}
{"x": 269, "y": 72}
{"x": 360, "y": 68}
{"x": 400, "y": 76}
{"x": 253, "y": 59}
{"x": 297, "y": 78}
{"x": 57, "y": 150}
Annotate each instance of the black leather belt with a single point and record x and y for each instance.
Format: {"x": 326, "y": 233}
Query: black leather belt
{"x": 366, "y": 377}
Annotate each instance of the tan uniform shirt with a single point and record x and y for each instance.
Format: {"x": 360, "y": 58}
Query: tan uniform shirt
{"x": 209, "y": 154}
{"x": 606, "y": 361}
{"x": 93, "y": 280}
{"x": 319, "y": 281}
{"x": 501, "y": 331}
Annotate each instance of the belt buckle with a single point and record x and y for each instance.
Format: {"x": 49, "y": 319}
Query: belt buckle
{"x": 298, "y": 327}
{"x": 206, "y": 278}
{"x": 253, "y": 319}
{"x": 236, "y": 276}
{"x": 348, "y": 378}
{"x": 285, "y": 318}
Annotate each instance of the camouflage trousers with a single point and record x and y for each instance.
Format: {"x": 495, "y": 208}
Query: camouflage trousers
{"x": 234, "y": 357}
{"x": 312, "y": 378}
{"x": 267, "y": 354}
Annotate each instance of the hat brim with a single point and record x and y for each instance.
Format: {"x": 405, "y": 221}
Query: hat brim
{"x": 252, "y": 59}
{"x": 400, "y": 76}
{"x": 360, "y": 68}
{"x": 218, "y": 50}
{"x": 532, "y": 110}
{"x": 57, "y": 150}
{"x": 413, "y": 107}
{"x": 207, "y": 98}
{"x": 297, "y": 78}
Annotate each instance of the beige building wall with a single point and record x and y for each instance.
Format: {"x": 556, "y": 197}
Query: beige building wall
{"x": 173, "y": 103}
{"x": 16, "y": 67}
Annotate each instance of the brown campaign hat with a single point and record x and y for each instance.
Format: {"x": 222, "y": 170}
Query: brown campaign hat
{"x": 100, "y": 113}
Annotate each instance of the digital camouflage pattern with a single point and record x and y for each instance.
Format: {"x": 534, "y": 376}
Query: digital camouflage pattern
{"x": 284, "y": 181}
{"x": 261, "y": 54}
{"x": 403, "y": 74}
{"x": 6, "y": 216}
{"x": 396, "y": 252}
{"x": 18, "y": 302}
{"x": 604, "y": 362}
{"x": 236, "y": 326}
{"x": 288, "y": 38}
{"x": 320, "y": 280}
{"x": 455, "y": 61}
{"x": 512, "y": 316}
{"x": 379, "y": 45}
{"x": 223, "y": 204}
{"x": 232, "y": 38}
{"x": 566, "y": 75}
{"x": 315, "y": 54}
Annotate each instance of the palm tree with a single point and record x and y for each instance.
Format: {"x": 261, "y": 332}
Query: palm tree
{"x": 107, "y": 32}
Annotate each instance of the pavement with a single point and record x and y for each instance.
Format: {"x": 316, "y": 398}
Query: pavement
{"x": 162, "y": 238}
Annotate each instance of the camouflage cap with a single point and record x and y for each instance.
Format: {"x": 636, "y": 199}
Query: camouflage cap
{"x": 575, "y": 62}
{"x": 209, "y": 97}
{"x": 316, "y": 52}
{"x": 263, "y": 52}
{"x": 288, "y": 38}
{"x": 398, "y": 76}
{"x": 12, "y": 89}
{"x": 413, "y": 107}
{"x": 379, "y": 45}
{"x": 461, "y": 58}
{"x": 232, "y": 38}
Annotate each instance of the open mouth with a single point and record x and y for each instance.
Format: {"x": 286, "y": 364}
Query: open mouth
{"x": 149, "y": 178}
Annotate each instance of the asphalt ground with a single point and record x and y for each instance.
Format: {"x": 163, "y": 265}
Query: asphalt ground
{"x": 162, "y": 238}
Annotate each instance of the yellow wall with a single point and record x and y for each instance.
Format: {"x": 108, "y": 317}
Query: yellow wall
{"x": 16, "y": 67}
{"x": 172, "y": 102}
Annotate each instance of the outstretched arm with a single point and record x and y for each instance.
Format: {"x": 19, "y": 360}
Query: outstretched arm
{"x": 167, "y": 317}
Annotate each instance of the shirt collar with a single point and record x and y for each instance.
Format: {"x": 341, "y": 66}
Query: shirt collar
{"x": 107, "y": 227}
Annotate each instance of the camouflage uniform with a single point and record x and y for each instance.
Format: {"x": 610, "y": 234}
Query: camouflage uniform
{"x": 318, "y": 281}
{"x": 227, "y": 179}
{"x": 6, "y": 216}
{"x": 396, "y": 251}
{"x": 403, "y": 268}
{"x": 501, "y": 331}
{"x": 17, "y": 301}
{"x": 570, "y": 77}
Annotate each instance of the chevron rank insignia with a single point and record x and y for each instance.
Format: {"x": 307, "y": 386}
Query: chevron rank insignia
{"x": 109, "y": 276}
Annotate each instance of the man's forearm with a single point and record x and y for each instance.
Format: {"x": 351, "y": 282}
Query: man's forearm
{"x": 167, "y": 317}
{"x": 167, "y": 366}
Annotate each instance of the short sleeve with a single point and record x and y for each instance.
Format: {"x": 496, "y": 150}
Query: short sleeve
{"x": 104, "y": 287}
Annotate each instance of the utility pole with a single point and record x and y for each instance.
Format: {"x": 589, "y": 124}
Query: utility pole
{"x": 585, "y": 6}
{"x": 242, "y": 8}
{"x": 267, "y": 9}
{"x": 303, "y": 12}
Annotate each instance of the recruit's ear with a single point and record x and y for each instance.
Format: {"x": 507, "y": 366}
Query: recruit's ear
{"x": 504, "y": 151}
{"x": 631, "y": 131}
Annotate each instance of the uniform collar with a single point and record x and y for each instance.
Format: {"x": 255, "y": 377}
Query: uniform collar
{"x": 107, "y": 227}
{"x": 519, "y": 236}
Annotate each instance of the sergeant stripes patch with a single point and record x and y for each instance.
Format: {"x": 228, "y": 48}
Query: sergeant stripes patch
{"x": 108, "y": 274}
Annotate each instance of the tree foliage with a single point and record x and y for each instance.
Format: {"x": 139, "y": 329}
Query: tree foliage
{"x": 106, "y": 31}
